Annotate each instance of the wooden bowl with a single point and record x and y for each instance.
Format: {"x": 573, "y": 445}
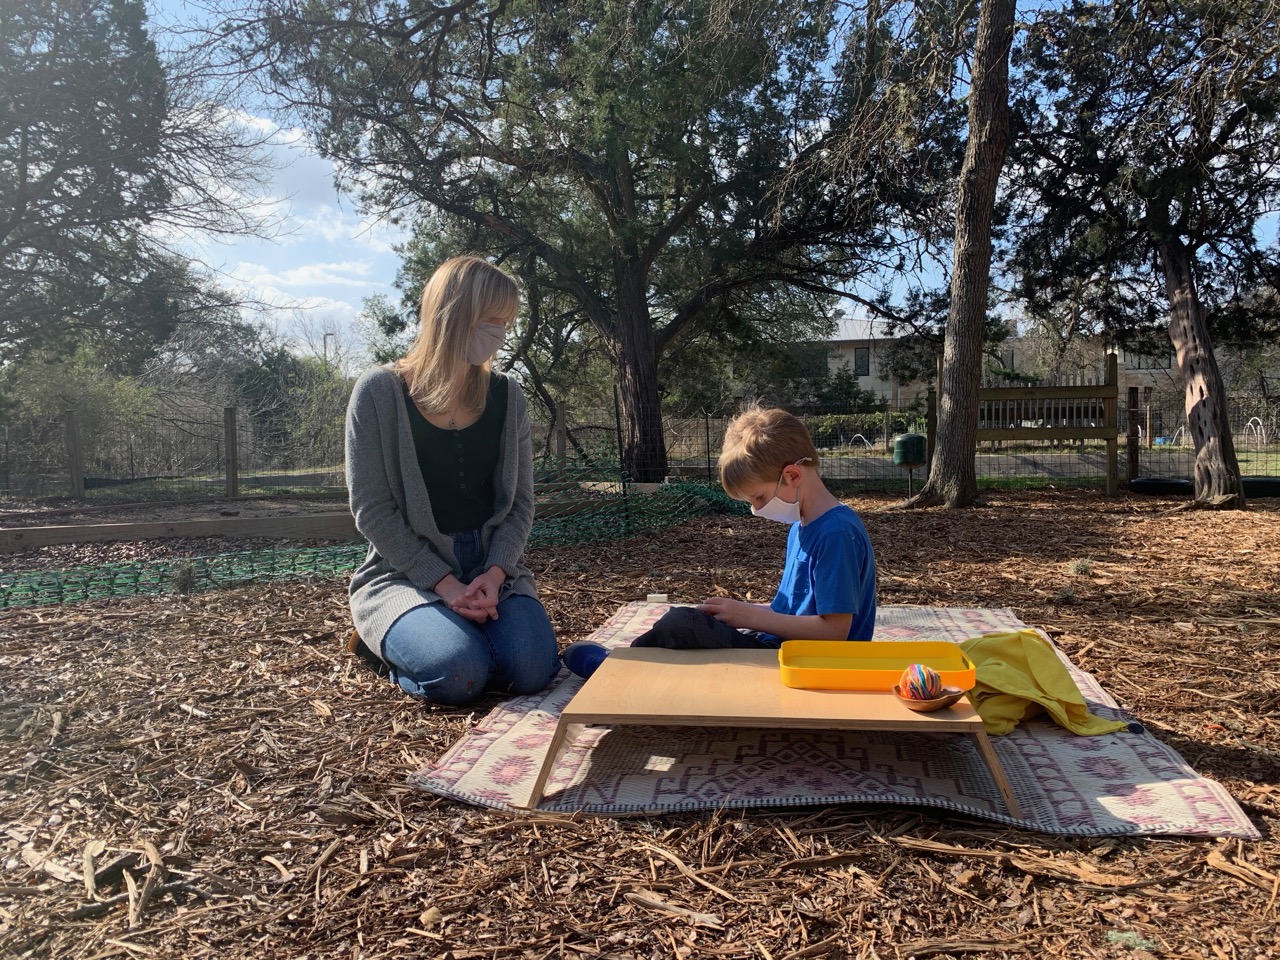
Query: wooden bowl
{"x": 949, "y": 696}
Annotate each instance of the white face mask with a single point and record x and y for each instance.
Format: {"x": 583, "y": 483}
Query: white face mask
{"x": 778, "y": 509}
{"x": 484, "y": 342}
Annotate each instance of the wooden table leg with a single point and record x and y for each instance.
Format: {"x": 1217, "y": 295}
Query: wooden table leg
{"x": 1002, "y": 782}
{"x": 554, "y": 749}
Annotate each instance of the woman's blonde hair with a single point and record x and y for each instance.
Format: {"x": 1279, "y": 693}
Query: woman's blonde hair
{"x": 759, "y": 442}
{"x": 464, "y": 291}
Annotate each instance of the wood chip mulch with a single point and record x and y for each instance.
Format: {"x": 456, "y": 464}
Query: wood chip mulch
{"x": 213, "y": 776}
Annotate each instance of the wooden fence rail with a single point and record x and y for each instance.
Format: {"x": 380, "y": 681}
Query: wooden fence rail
{"x": 1058, "y": 412}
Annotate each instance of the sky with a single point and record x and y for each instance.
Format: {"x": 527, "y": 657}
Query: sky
{"x": 325, "y": 260}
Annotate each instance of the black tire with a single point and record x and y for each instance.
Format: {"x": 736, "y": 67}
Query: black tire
{"x": 1173, "y": 487}
{"x": 1162, "y": 486}
{"x": 1261, "y": 487}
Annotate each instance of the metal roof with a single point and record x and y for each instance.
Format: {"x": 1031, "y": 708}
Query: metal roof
{"x": 858, "y": 328}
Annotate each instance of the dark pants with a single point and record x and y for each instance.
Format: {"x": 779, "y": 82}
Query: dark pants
{"x": 687, "y": 628}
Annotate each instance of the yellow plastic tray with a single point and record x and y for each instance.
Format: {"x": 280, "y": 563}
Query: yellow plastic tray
{"x": 872, "y": 665}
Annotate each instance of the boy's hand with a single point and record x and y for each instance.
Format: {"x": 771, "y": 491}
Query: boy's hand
{"x": 738, "y": 614}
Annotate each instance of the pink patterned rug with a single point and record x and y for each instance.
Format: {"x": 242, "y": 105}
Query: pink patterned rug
{"x": 1118, "y": 784}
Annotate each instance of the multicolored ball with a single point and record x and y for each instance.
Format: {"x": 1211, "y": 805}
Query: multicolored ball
{"x": 919, "y": 682}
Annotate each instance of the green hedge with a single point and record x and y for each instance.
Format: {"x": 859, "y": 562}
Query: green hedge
{"x": 839, "y": 429}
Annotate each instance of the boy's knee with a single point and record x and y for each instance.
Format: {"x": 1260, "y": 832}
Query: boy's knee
{"x": 687, "y": 628}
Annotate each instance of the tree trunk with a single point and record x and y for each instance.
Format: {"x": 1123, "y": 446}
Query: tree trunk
{"x": 1217, "y": 472}
{"x": 952, "y": 474}
{"x": 644, "y": 454}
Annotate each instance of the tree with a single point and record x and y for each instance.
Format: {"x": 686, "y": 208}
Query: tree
{"x": 104, "y": 145}
{"x": 386, "y": 331}
{"x": 291, "y": 396}
{"x": 762, "y": 342}
{"x": 37, "y": 390}
{"x": 656, "y": 162}
{"x": 1152, "y": 142}
{"x": 952, "y": 471}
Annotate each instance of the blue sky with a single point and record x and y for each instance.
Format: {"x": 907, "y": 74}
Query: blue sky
{"x": 325, "y": 260}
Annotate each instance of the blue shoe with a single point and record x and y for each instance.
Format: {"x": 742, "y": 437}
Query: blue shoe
{"x": 583, "y": 657}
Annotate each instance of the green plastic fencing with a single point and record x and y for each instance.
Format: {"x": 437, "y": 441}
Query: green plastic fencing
{"x": 610, "y": 515}
{"x": 180, "y": 575}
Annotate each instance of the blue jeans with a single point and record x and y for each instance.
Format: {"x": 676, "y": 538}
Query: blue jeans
{"x": 439, "y": 655}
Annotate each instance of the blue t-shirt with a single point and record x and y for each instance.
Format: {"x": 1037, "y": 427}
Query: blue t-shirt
{"x": 830, "y": 568}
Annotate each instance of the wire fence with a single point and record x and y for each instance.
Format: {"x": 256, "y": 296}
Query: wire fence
{"x": 584, "y": 491}
{"x": 174, "y": 459}
{"x": 167, "y": 458}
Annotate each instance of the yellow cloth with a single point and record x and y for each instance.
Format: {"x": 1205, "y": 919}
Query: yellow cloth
{"x": 1019, "y": 676}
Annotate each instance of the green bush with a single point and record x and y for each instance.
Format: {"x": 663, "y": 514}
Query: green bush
{"x": 837, "y": 430}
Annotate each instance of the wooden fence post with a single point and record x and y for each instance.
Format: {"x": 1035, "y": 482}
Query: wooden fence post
{"x": 1151, "y": 437}
{"x": 233, "y": 451}
{"x": 75, "y": 456}
{"x": 1132, "y": 442}
{"x": 706, "y": 433}
{"x": 1111, "y": 418}
{"x": 930, "y": 427}
{"x": 562, "y": 429}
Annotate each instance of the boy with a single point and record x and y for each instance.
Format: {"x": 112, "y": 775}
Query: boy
{"x": 828, "y": 582}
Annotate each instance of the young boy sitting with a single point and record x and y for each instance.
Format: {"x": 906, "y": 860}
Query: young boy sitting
{"x": 828, "y": 588}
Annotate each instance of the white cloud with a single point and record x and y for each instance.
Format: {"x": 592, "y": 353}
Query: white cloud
{"x": 333, "y": 225}
{"x": 348, "y": 273}
{"x": 326, "y": 258}
{"x": 280, "y": 307}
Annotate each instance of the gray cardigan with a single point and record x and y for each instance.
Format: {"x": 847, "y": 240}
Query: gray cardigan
{"x": 408, "y": 555}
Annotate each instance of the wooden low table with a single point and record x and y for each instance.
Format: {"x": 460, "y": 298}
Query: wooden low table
{"x": 741, "y": 688}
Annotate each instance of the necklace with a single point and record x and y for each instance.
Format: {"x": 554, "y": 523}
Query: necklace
{"x": 453, "y": 423}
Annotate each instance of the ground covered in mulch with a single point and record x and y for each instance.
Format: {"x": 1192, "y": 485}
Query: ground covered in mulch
{"x": 213, "y": 776}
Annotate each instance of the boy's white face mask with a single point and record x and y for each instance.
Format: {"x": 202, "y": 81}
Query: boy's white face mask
{"x": 778, "y": 509}
{"x": 484, "y": 342}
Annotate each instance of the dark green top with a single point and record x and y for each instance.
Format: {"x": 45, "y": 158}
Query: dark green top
{"x": 458, "y": 465}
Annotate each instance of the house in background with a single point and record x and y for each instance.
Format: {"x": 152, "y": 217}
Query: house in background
{"x": 861, "y": 344}
{"x": 1149, "y": 364}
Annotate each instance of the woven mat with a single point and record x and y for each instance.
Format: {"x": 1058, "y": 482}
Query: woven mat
{"x": 1118, "y": 784}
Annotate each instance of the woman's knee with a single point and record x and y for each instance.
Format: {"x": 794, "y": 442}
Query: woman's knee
{"x": 434, "y": 653}
{"x": 524, "y": 645}
{"x": 455, "y": 688}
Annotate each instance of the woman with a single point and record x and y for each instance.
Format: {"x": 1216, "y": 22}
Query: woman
{"x": 440, "y": 474}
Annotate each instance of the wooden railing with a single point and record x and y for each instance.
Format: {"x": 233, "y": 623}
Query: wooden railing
{"x": 1059, "y": 411}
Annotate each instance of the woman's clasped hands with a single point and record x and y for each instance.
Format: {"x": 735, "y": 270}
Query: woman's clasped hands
{"x": 477, "y": 600}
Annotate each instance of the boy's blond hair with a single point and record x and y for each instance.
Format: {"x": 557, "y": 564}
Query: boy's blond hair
{"x": 761, "y": 441}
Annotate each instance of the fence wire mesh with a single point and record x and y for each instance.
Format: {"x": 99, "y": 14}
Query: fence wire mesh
{"x": 584, "y": 491}
{"x": 156, "y": 458}
{"x": 33, "y": 460}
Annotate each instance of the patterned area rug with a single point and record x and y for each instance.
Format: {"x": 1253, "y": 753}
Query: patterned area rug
{"x": 1118, "y": 784}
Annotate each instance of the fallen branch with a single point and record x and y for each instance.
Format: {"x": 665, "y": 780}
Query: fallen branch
{"x": 680, "y": 865}
{"x": 932, "y": 947}
{"x": 651, "y": 901}
{"x": 1244, "y": 872}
